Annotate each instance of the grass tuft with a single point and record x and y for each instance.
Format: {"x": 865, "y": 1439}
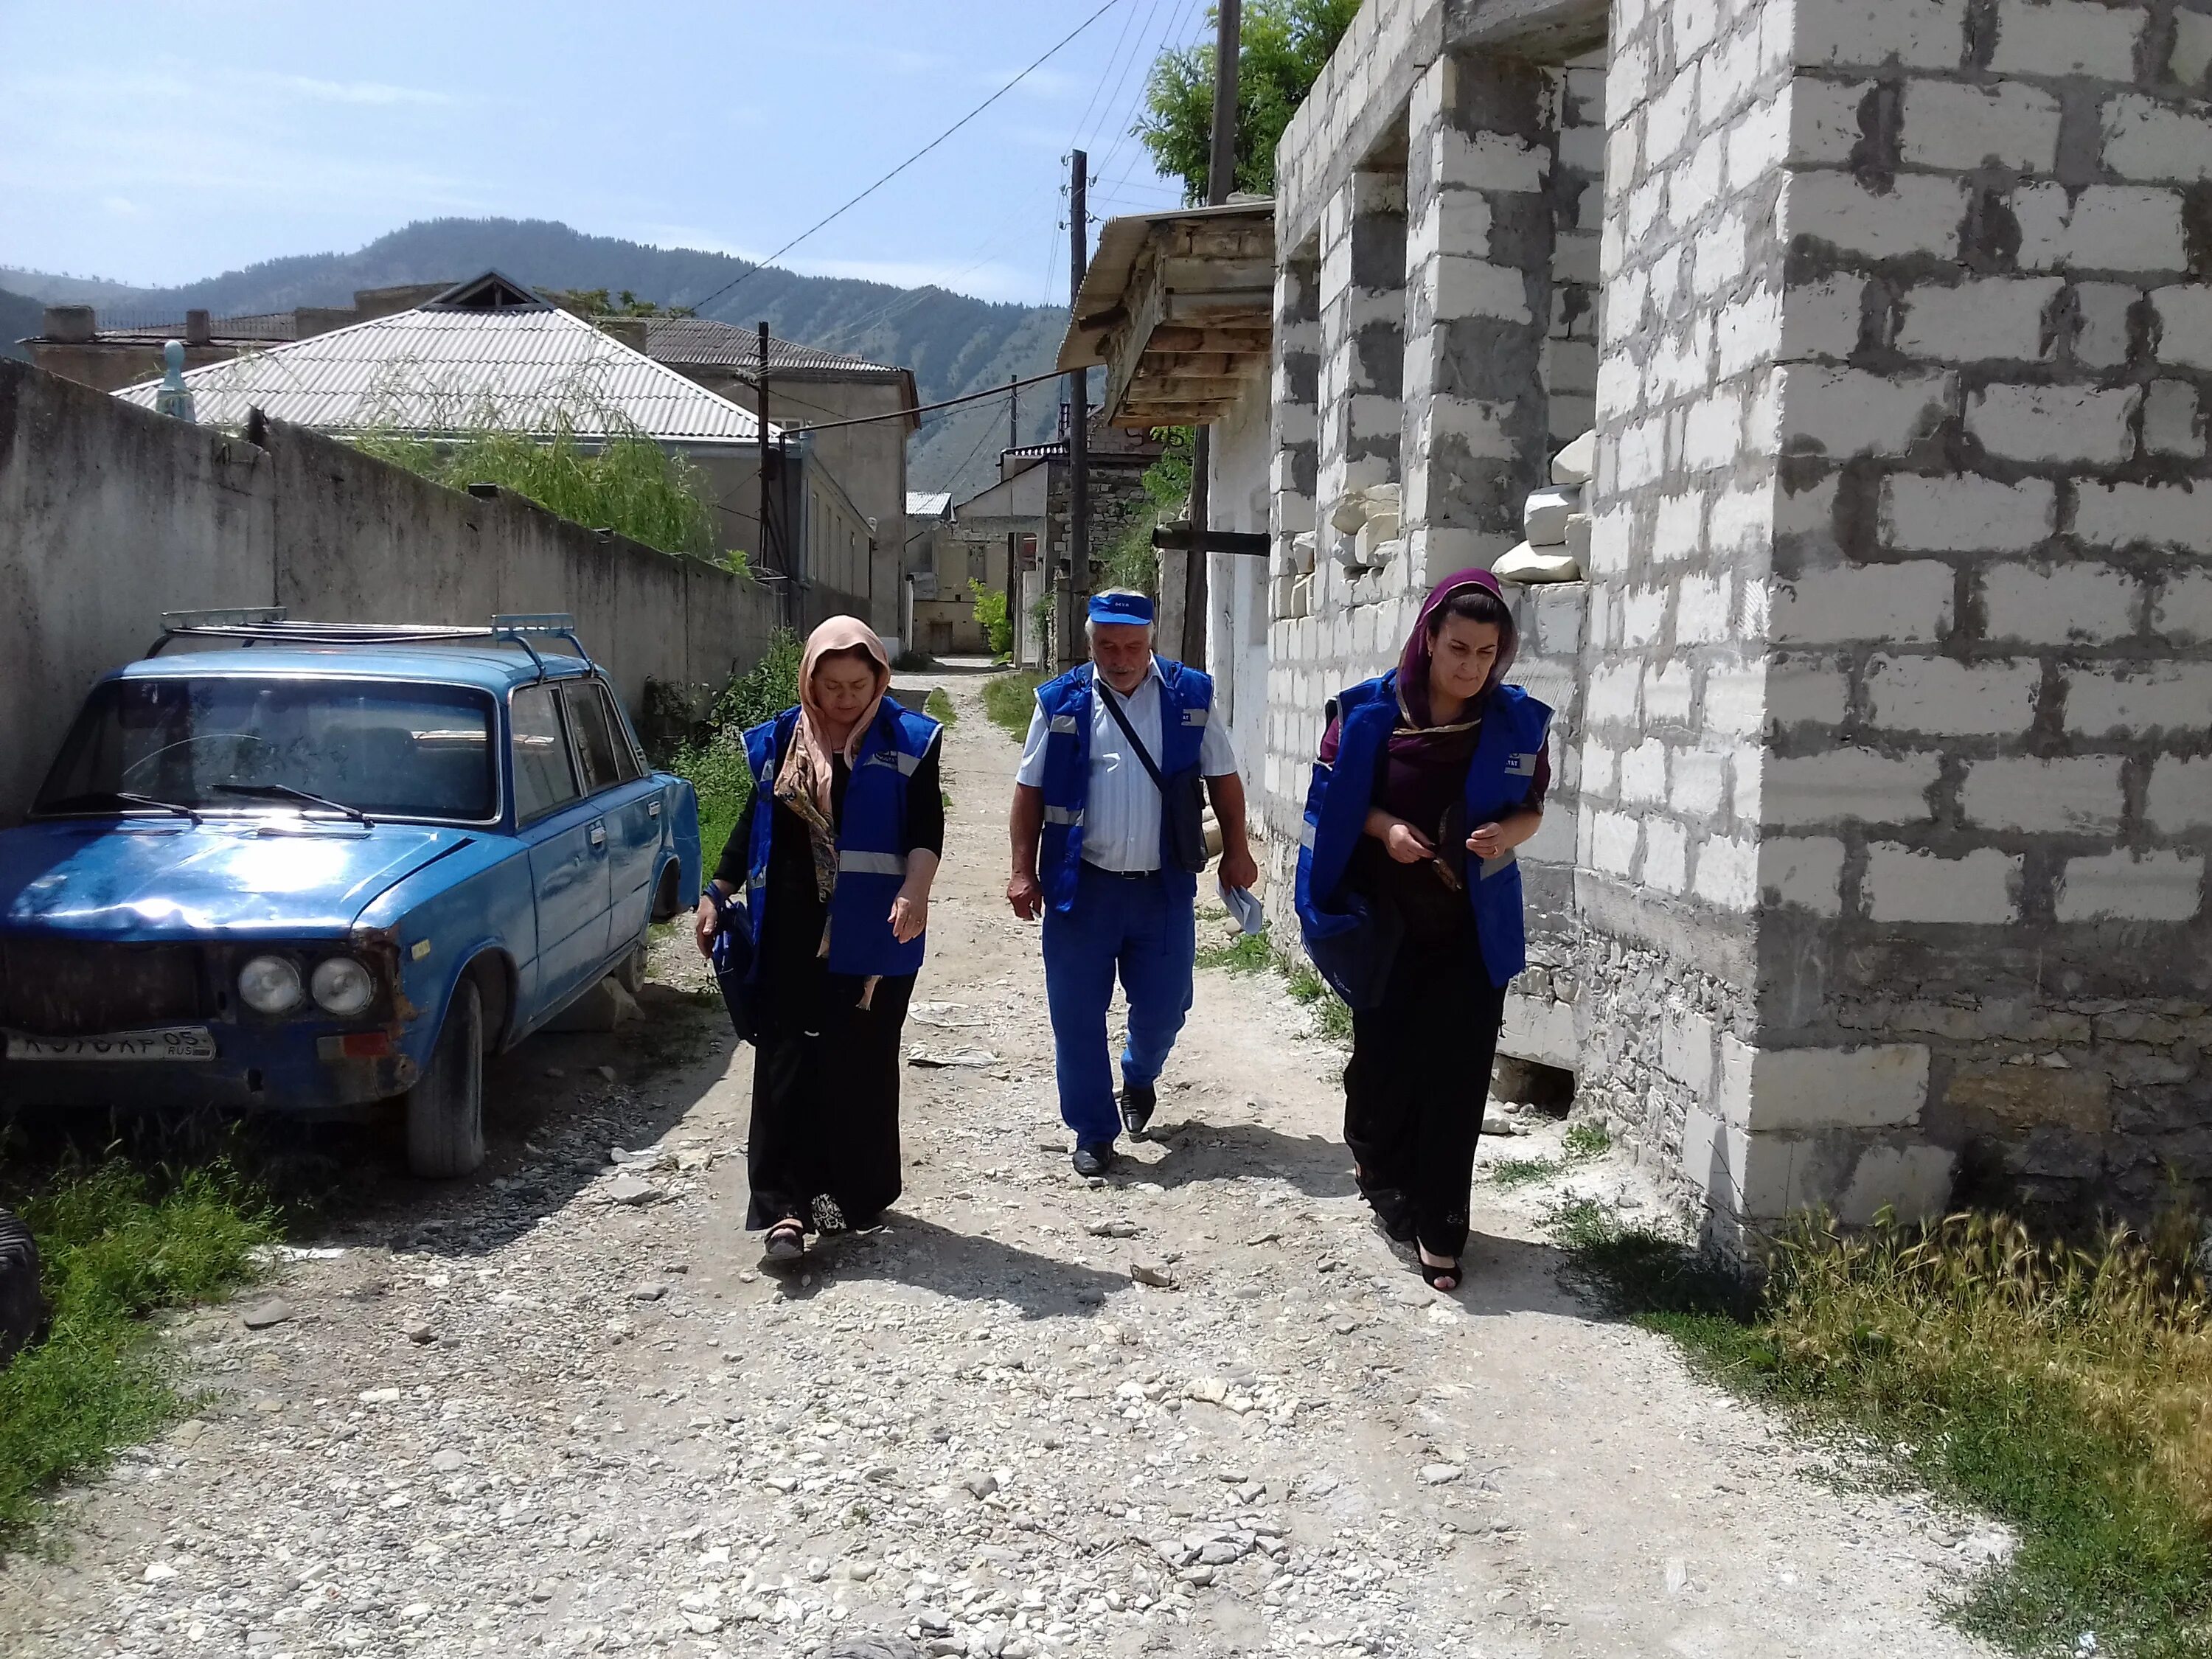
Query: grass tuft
{"x": 1247, "y": 953}
{"x": 1009, "y": 700}
{"x": 2065, "y": 1390}
{"x": 114, "y": 1246}
{"x": 1587, "y": 1139}
{"x": 939, "y": 707}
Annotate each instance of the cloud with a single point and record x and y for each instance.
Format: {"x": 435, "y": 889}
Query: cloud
{"x": 375, "y": 93}
{"x": 122, "y": 206}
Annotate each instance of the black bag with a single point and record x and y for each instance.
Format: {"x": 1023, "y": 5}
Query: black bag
{"x": 733, "y": 963}
{"x": 1183, "y": 804}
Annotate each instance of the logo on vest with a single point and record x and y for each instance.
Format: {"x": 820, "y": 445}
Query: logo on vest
{"x": 1521, "y": 766}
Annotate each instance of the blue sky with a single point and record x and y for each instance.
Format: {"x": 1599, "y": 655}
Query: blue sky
{"x": 157, "y": 142}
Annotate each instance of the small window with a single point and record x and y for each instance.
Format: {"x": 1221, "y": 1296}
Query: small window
{"x": 544, "y": 778}
{"x": 627, "y": 768}
{"x": 596, "y": 747}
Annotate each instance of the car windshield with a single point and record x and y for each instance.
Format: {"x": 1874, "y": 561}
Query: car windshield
{"x": 235, "y": 744}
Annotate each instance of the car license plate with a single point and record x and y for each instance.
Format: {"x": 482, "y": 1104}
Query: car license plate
{"x": 169, "y": 1043}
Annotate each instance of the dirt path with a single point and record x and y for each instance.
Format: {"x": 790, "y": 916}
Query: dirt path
{"x": 522, "y": 1416}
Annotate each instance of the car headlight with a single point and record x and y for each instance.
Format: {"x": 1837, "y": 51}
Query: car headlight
{"x": 342, "y": 986}
{"x": 270, "y": 985}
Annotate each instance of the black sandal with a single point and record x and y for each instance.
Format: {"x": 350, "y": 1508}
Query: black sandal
{"x": 785, "y": 1241}
{"x": 1433, "y": 1273}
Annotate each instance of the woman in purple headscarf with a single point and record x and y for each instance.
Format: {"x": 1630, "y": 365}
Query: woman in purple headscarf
{"x": 1409, "y": 899}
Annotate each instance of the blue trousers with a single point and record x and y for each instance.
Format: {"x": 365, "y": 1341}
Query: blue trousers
{"x": 1134, "y": 925}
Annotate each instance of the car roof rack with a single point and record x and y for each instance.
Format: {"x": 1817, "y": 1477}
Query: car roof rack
{"x": 269, "y": 624}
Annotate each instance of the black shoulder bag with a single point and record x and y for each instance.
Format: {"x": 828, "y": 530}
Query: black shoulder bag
{"x": 1183, "y": 807}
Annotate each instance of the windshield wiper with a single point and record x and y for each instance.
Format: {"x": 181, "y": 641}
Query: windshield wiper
{"x": 286, "y": 792}
{"x": 119, "y": 798}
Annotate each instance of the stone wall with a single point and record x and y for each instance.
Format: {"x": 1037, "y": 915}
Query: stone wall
{"x": 110, "y": 515}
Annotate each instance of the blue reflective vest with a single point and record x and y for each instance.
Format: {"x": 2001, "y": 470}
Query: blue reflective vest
{"x": 870, "y": 839}
{"x": 1186, "y": 704}
{"x": 1350, "y": 947}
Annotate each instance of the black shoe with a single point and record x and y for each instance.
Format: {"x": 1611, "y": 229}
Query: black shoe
{"x": 1138, "y": 1101}
{"x": 1092, "y": 1157}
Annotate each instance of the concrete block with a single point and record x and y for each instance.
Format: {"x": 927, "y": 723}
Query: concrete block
{"x": 1921, "y": 213}
{"x": 2101, "y": 227}
{"x": 2184, "y": 323}
{"x": 2018, "y": 1098}
{"x": 2146, "y": 138}
{"x": 1743, "y": 520}
{"x": 1643, "y": 773}
{"x": 1643, "y": 614}
{"x": 1949, "y": 123}
{"x": 1712, "y": 432}
{"x": 2071, "y": 423}
{"x": 2128, "y": 514}
{"x": 2179, "y": 799}
{"x": 1819, "y": 319}
{"x": 1847, "y": 412}
{"x": 1734, "y": 1095}
{"x": 2059, "y": 38}
{"x": 607, "y": 1007}
{"x": 1905, "y": 884}
{"x": 1669, "y": 690}
{"x": 2101, "y": 341}
{"x": 1666, "y": 855}
{"x": 1958, "y": 513}
{"x": 2059, "y": 604}
{"x": 1735, "y": 701}
{"x": 1800, "y": 691}
{"x": 1475, "y": 287}
{"x": 1688, "y": 1049}
{"x": 2129, "y": 886}
{"x": 1544, "y": 515}
{"x": 2183, "y": 610}
{"x": 1824, "y": 121}
{"x": 1999, "y": 317}
{"x": 1927, "y": 34}
{"x": 1896, "y": 603}
{"x": 1698, "y": 784}
{"x": 1880, "y": 1086}
{"x": 1678, "y": 528}
{"x": 2075, "y": 794}
{"x": 2192, "y": 48}
{"x": 1703, "y": 607}
{"x": 1728, "y": 873}
{"x": 2139, "y": 700}
{"x": 1944, "y": 698}
{"x": 1746, "y": 774}
{"x": 2169, "y": 425}
{"x": 1805, "y": 872}
{"x": 1613, "y": 839}
{"x": 1850, "y": 784}
{"x": 1913, "y": 1183}
{"x": 1611, "y": 698}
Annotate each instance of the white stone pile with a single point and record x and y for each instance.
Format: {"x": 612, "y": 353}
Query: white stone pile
{"x": 1555, "y": 522}
{"x": 1367, "y": 521}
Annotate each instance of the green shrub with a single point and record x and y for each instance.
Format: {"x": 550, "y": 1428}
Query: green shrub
{"x": 991, "y": 611}
{"x": 717, "y": 769}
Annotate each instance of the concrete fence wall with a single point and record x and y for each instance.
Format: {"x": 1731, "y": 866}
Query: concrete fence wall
{"x": 110, "y": 515}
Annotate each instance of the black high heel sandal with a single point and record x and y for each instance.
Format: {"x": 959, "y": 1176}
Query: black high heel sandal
{"x": 1434, "y": 1274}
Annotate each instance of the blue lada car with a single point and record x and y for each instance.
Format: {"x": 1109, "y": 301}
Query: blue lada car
{"x": 309, "y": 867}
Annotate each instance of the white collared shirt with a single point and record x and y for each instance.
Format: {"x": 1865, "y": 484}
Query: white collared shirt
{"x": 1121, "y": 818}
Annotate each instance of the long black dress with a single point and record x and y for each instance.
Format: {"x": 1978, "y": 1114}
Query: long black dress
{"x": 824, "y": 1147}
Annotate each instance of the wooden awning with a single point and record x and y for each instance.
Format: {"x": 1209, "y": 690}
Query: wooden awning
{"x": 1180, "y": 307}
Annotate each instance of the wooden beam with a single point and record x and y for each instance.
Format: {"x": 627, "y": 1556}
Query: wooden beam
{"x": 1198, "y": 336}
{"x": 1246, "y": 306}
{"x": 1176, "y": 539}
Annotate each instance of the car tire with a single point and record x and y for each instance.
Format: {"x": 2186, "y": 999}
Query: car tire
{"x": 630, "y": 972}
{"x": 22, "y": 1304}
{"x": 445, "y": 1110}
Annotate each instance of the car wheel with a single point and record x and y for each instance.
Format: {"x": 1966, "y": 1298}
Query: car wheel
{"x": 23, "y": 1307}
{"x": 445, "y": 1110}
{"x": 630, "y": 972}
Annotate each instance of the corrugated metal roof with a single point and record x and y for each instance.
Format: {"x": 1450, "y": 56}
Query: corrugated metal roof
{"x": 929, "y": 504}
{"x": 699, "y": 341}
{"x": 446, "y": 371}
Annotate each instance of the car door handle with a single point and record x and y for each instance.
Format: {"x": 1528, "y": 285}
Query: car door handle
{"x": 598, "y": 834}
{"x": 653, "y": 810}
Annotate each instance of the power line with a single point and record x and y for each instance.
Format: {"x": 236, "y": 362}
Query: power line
{"x": 998, "y": 391}
{"x": 910, "y": 162}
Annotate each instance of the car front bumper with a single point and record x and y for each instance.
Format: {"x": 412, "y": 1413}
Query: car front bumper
{"x": 299, "y": 1069}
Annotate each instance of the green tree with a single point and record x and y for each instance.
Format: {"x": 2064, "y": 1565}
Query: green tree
{"x": 1282, "y": 45}
{"x": 991, "y": 612}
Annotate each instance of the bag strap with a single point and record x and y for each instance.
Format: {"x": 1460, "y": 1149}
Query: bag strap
{"x": 1114, "y": 707}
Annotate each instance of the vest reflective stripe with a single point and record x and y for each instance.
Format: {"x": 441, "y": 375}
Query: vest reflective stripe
{"x": 1341, "y": 933}
{"x": 1068, "y": 706}
{"x": 873, "y": 864}
{"x": 870, "y": 839}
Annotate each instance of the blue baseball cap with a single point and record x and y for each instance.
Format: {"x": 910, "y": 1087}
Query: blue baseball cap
{"x": 1129, "y": 609}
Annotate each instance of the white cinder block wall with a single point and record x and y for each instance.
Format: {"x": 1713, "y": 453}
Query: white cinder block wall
{"x": 1874, "y": 873}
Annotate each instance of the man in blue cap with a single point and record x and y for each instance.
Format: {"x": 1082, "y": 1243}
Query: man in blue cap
{"x": 1108, "y": 844}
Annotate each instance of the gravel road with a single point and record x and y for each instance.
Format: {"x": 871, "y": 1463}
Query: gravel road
{"x": 1201, "y": 1409}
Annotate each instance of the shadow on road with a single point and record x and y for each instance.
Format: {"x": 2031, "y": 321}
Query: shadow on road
{"x": 1197, "y": 1150}
{"x": 965, "y": 1266}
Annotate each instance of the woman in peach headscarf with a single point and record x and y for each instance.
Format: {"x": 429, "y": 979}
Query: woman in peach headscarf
{"x": 828, "y": 874}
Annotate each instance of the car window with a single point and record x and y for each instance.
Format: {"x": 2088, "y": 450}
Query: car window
{"x": 544, "y": 778}
{"x": 595, "y": 744}
{"x": 627, "y": 768}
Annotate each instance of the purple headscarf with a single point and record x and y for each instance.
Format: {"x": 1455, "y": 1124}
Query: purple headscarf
{"x": 1418, "y": 742}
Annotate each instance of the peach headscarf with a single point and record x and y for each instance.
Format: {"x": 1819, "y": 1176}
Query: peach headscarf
{"x": 808, "y": 766}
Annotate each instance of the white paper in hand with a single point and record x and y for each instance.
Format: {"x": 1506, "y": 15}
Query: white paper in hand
{"x": 1242, "y": 906}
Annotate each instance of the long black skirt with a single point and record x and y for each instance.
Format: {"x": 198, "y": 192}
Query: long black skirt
{"x": 824, "y": 1146}
{"x": 1414, "y": 1092}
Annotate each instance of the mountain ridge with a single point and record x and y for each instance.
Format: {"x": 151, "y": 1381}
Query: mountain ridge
{"x": 954, "y": 343}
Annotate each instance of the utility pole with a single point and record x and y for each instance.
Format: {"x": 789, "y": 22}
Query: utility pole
{"x": 1220, "y": 181}
{"x": 1014, "y": 412}
{"x": 1078, "y": 423}
{"x": 788, "y": 598}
